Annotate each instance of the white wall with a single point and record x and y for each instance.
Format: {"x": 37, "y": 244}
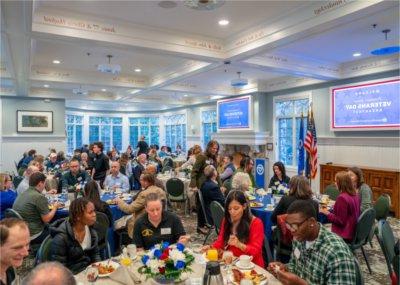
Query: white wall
{"x": 13, "y": 144}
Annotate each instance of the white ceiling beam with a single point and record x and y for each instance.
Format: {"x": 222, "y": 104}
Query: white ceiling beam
{"x": 292, "y": 65}
{"x": 370, "y": 65}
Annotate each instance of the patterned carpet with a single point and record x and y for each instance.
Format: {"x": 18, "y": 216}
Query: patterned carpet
{"x": 379, "y": 276}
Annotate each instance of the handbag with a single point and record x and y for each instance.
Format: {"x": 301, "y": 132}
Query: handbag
{"x": 287, "y": 237}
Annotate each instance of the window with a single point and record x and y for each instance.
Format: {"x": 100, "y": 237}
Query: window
{"x": 107, "y": 130}
{"x": 148, "y": 127}
{"x": 288, "y": 114}
{"x": 208, "y": 124}
{"x": 175, "y": 131}
{"x": 74, "y": 129}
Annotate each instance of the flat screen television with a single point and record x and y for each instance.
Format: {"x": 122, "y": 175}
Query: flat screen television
{"x": 235, "y": 114}
{"x": 370, "y": 106}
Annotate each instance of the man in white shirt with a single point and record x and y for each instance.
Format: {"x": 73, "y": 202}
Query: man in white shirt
{"x": 24, "y": 184}
{"x": 116, "y": 180}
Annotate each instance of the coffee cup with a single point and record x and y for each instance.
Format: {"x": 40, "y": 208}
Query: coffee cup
{"x": 245, "y": 260}
{"x": 131, "y": 249}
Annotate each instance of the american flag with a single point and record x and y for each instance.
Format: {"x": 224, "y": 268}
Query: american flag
{"x": 310, "y": 145}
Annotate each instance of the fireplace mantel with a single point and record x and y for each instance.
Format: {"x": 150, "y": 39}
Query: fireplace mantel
{"x": 248, "y": 138}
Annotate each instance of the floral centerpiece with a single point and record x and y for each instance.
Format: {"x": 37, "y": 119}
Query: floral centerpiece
{"x": 280, "y": 188}
{"x": 165, "y": 263}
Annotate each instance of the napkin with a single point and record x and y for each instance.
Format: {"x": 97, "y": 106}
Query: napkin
{"x": 122, "y": 275}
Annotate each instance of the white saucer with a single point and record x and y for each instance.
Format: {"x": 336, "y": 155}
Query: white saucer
{"x": 240, "y": 266}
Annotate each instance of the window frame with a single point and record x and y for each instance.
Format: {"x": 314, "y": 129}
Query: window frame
{"x": 149, "y": 125}
{"x": 183, "y": 130}
{"x": 74, "y": 124}
{"x": 283, "y": 98}
{"x": 111, "y": 124}
{"x": 202, "y": 138}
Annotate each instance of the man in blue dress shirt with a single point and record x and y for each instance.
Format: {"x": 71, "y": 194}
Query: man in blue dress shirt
{"x": 116, "y": 180}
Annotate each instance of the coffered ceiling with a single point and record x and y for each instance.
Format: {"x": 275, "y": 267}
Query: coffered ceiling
{"x": 182, "y": 52}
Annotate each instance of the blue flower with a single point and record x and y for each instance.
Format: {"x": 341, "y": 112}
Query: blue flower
{"x": 157, "y": 253}
{"x": 145, "y": 258}
{"x": 180, "y": 264}
{"x": 165, "y": 244}
{"x": 180, "y": 246}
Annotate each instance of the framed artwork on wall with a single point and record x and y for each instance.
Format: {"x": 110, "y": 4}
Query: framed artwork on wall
{"x": 34, "y": 121}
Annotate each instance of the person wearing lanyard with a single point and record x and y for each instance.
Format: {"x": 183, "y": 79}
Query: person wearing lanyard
{"x": 157, "y": 225}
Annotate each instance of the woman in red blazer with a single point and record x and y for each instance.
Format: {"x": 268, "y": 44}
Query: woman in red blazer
{"x": 241, "y": 232}
{"x": 347, "y": 208}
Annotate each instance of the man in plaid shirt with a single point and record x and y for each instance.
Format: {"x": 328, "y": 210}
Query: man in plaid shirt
{"x": 319, "y": 256}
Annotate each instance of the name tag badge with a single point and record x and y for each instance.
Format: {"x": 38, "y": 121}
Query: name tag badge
{"x": 79, "y": 179}
{"x": 297, "y": 253}
{"x": 165, "y": 231}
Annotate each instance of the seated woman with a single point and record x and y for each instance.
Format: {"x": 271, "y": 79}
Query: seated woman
{"x": 362, "y": 188}
{"x": 92, "y": 193}
{"x": 74, "y": 240}
{"x": 347, "y": 208}
{"x": 7, "y": 195}
{"x": 279, "y": 177}
{"x": 241, "y": 232}
{"x": 241, "y": 181}
{"x": 299, "y": 189}
{"x": 157, "y": 225}
{"x": 195, "y": 151}
{"x": 137, "y": 207}
{"x": 210, "y": 191}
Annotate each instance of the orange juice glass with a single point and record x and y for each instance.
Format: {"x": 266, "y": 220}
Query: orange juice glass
{"x": 212, "y": 254}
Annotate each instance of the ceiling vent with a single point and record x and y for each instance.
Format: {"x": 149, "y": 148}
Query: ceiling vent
{"x": 108, "y": 67}
{"x": 239, "y": 82}
{"x": 204, "y": 4}
{"x": 80, "y": 91}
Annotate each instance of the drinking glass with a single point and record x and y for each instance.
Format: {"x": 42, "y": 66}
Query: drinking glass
{"x": 92, "y": 273}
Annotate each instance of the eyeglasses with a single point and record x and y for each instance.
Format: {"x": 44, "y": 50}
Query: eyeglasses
{"x": 295, "y": 226}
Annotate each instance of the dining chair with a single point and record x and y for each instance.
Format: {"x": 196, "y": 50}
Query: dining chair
{"x": 101, "y": 226}
{"x": 387, "y": 242}
{"x": 11, "y": 213}
{"x": 359, "y": 275}
{"x": 44, "y": 253}
{"x": 208, "y": 224}
{"x": 176, "y": 192}
{"x": 332, "y": 191}
{"x": 363, "y": 228}
{"x": 217, "y": 214}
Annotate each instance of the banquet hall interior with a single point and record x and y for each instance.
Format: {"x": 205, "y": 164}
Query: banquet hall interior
{"x": 312, "y": 84}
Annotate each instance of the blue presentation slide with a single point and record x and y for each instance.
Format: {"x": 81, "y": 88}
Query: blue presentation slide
{"x": 375, "y": 105}
{"x": 234, "y": 114}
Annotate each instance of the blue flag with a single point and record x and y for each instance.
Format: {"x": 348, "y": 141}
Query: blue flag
{"x": 300, "y": 165}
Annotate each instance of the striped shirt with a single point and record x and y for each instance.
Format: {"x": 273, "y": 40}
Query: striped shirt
{"x": 327, "y": 260}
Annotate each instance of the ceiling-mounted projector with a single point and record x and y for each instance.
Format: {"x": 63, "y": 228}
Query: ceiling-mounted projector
{"x": 239, "y": 82}
{"x": 108, "y": 67}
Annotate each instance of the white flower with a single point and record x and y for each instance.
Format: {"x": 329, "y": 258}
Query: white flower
{"x": 276, "y": 182}
{"x": 154, "y": 264}
{"x": 176, "y": 255}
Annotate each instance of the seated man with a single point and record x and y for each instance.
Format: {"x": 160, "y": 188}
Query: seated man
{"x": 33, "y": 206}
{"x": 152, "y": 169}
{"x": 137, "y": 171}
{"x": 74, "y": 179}
{"x": 136, "y": 208}
{"x": 156, "y": 225}
{"x": 116, "y": 180}
{"x": 319, "y": 256}
{"x": 24, "y": 184}
{"x": 14, "y": 246}
{"x": 52, "y": 164}
{"x": 50, "y": 273}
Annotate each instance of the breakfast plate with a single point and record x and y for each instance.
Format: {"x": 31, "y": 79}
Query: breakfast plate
{"x": 256, "y": 205}
{"x": 239, "y": 265}
{"x": 106, "y": 267}
{"x": 257, "y": 279}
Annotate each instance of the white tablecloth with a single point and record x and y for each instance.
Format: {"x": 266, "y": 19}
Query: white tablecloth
{"x": 198, "y": 268}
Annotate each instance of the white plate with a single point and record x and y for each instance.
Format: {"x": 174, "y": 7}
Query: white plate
{"x": 230, "y": 277}
{"x": 240, "y": 266}
{"x": 112, "y": 263}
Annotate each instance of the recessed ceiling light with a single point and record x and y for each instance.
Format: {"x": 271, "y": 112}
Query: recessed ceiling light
{"x": 167, "y": 4}
{"x": 356, "y": 54}
{"x": 223, "y": 22}
{"x": 104, "y": 90}
{"x": 56, "y": 61}
{"x": 138, "y": 70}
{"x": 185, "y": 95}
{"x": 46, "y": 86}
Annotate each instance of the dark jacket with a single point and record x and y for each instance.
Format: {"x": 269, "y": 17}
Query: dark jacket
{"x": 284, "y": 204}
{"x": 285, "y": 180}
{"x": 135, "y": 178}
{"x": 67, "y": 250}
{"x": 211, "y": 192}
{"x": 197, "y": 174}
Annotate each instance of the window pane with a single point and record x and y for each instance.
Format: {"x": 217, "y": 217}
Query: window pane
{"x": 133, "y": 121}
{"x": 154, "y": 135}
{"x": 301, "y": 107}
{"x": 93, "y": 134}
{"x": 183, "y": 142}
{"x": 284, "y": 108}
{"x": 94, "y": 120}
{"x": 70, "y": 119}
{"x": 79, "y": 120}
{"x": 78, "y": 136}
{"x": 117, "y": 137}
{"x": 154, "y": 120}
{"x": 133, "y": 136}
{"x": 117, "y": 121}
{"x": 105, "y": 136}
{"x": 285, "y": 141}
